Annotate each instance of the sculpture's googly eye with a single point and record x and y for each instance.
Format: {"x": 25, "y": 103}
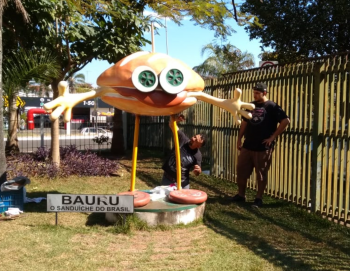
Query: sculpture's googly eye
{"x": 144, "y": 79}
{"x": 173, "y": 79}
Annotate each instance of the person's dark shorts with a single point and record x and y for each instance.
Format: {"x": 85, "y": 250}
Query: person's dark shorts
{"x": 248, "y": 160}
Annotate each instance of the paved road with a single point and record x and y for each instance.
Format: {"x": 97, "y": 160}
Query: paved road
{"x": 30, "y": 141}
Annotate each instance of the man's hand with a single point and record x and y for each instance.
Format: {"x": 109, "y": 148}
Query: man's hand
{"x": 239, "y": 144}
{"x": 281, "y": 127}
{"x": 197, "y": 170}
{"x": 269, "y": 140}
{"x": 180, "y": 118}
{"x": 176, "y": 119}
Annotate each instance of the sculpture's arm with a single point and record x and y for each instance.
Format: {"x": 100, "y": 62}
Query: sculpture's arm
{"x": 66, "y": 101}
{"x": 231, "y": 105}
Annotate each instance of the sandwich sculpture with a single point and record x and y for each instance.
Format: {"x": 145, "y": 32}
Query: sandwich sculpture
{"x": 150, "y": 84}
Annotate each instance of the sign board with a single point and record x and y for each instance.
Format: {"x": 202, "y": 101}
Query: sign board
{"x": 35, "y": 102}
{"x": 267, "y": 63}
{"x": 19, "y": 101}
{"x": 88, "y": 103}
{"x": 90, "y": 203}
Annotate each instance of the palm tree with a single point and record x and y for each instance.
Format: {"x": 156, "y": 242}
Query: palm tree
{"x": 223, "y": 59}
{"x": 21, "y": 9}
{"x": 18, "y": 70}
{"x": 75, "y": 80}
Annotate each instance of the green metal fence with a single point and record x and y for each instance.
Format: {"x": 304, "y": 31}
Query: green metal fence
{"x": 311, "y": 161}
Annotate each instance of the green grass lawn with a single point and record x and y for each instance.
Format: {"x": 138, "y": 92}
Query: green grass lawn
{"x": 279, "y": 236}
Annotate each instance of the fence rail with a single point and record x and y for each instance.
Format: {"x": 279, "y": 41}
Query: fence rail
{"x": 31, "y": 140}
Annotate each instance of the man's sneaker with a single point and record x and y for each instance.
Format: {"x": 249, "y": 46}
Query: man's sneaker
{"x": 257, "y": 203}
{"x": 238, "y": 198}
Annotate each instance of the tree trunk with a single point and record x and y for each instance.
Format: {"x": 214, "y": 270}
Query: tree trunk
{"x": 3, "y": 164}
{"x": 118, "y": 138}
{"x": 55, "y": 143}
{"x": 12, "y": 140}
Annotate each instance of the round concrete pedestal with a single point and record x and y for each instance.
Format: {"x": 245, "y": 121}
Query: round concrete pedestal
{"x": 162, "y": 212}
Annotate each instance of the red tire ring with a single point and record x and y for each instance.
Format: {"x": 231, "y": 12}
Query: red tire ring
{"x": 188, "y": 196}
{"x": 140, "y": 198}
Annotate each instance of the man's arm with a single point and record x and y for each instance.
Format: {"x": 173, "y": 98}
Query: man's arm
{"x": 197, "y": 167}
{"x": 178, "y": 118}
{"x": 280, "y": 129}
{"x": 241, "y": 133}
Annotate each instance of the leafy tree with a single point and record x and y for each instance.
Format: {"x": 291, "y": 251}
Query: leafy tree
{"x": 79, "y": 31}
{"x": 76, "y": 35}
{"x": 18, "y": 70}
{"x": 86, "y": 87}
{"x": 300, "y": 29}
{"x": 268, "y": 55}
{"x": 39, "y": 88}
{"x": 22, "y": 11}
{"x": 213, "y": 14}
{"x": 223, "y": 59}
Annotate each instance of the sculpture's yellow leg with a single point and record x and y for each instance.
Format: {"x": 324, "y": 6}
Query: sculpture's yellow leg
{"x": 177, "y": 152}
{"x": 134, "y": 152}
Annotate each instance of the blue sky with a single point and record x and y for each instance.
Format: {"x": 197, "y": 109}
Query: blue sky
{"x": 185, "y": 42}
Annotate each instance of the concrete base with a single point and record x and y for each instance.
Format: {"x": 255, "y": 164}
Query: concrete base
{"x": 162, "y": 212}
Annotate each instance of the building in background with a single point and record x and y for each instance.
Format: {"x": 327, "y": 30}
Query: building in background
{"x": 89, "y": 112}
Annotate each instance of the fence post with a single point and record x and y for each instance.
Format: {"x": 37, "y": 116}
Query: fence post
{"x": 211, "y": 130}
{"x": 317, "y": 138}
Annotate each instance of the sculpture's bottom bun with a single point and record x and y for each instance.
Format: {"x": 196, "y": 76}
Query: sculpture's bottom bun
{"x": 140, "y": 198}
{"x": 188, "y": 196}
{"x": 139, "y": 108}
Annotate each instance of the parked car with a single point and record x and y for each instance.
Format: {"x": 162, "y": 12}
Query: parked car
{"x": 94, "y": 131}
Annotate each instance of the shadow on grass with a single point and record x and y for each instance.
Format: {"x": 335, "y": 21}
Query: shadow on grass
{"x": 283, "y": 234}
{"x": 41, "y": 207}
{"x": 97, "y": 219}
{"x": 271, "y": 232}
{"x": 151, "y": 180}
{"x": 280, "y": 232}
{"x": 310, "y": 226}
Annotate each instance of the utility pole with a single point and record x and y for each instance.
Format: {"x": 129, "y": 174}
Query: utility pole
{"x": 166, "y": 36}
{"x": 87, "y": 77}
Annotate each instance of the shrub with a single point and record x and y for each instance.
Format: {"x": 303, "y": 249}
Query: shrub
{"x": 73, "y": 162}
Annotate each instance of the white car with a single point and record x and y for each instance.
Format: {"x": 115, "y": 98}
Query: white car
{"x": 95, "y": 131}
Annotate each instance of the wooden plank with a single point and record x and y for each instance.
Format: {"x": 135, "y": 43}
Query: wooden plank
{"x": 317, "y": 131}
{"x": 347, "y": 185}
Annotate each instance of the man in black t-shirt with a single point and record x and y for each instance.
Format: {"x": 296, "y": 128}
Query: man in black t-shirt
{"x": 190, "y": 157}
{"x": 259, "y": 133}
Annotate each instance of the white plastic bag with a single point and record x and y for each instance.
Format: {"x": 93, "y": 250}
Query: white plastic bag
{"x": 161, "y": 192}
